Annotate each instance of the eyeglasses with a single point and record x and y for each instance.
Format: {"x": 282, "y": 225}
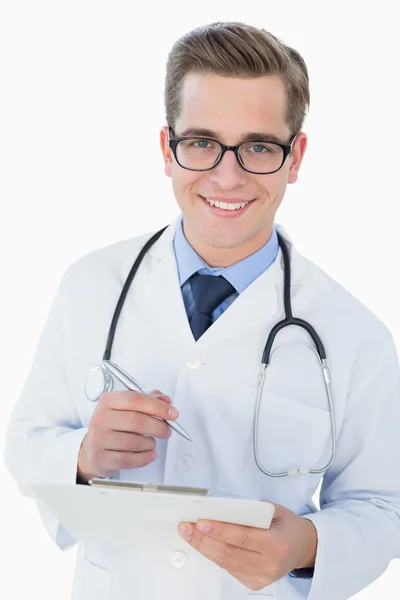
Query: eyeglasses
{"x": 202, "y": 154}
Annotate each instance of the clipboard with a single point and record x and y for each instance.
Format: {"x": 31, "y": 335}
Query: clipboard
{"x": 129, "y": 514}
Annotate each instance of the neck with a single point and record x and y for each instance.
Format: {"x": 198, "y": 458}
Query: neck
{"x": 217, "y": 256}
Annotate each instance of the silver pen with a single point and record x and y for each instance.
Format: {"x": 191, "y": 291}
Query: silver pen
{"x": 129, "y": 382}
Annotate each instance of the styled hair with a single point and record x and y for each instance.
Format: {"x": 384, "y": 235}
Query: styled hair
{"x": 235, "y": 49}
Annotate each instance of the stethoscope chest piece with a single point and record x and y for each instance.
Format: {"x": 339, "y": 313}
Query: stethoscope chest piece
{"x": 98, "y": 382}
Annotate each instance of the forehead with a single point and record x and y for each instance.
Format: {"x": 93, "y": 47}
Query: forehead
{"x": 233, "y": 105}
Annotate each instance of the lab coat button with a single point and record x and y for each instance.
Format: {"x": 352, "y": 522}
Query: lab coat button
{"x": 178, "y": 560}
{"x": 186, "y": 462}
{"x": 194, "y": 362}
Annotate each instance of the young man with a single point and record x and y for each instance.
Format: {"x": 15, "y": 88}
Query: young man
{"x": 209, "y": 291}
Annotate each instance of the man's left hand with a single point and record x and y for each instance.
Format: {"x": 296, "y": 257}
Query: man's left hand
{"x": 256, "y": 557}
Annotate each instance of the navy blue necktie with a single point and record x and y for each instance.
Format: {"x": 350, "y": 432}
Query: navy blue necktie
{"x": 209, "y": 291}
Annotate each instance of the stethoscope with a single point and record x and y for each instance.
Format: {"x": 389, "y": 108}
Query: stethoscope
{"x": 99, "y": 381}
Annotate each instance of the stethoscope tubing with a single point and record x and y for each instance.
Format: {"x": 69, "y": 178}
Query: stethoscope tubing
{"x": 289, "y": 320}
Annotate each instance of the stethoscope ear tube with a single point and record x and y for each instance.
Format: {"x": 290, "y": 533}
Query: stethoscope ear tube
{"x": 289, "y": 318}
{"x": 285, "y": 323}
{"x": 125, "y": 289}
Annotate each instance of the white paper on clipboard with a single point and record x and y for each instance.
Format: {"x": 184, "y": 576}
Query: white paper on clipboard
{"x": 124, "y": 516}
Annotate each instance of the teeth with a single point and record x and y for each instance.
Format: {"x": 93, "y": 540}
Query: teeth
{"x": 225, "y": 205}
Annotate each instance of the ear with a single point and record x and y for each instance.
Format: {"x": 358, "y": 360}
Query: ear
{"x": 296, "y": 157}
{"x": 166, "y": 151}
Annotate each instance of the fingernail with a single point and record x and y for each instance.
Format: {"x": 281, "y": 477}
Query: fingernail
{"x": 172, "y": 412}
{"x": 185, "y": 531}
{"x": 169, "y": 434}
{"x": 203, "y": 526}
{"x": 154, "y": 455}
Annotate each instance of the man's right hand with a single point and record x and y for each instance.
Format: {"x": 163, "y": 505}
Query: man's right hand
{"x": 122, "y": 432}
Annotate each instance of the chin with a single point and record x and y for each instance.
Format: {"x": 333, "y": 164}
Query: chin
{"x": 224, "y": 239}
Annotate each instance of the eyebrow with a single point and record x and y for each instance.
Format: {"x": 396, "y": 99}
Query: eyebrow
{"x": 246, "y": 137}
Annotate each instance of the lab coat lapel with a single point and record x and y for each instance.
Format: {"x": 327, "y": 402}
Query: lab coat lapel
{"x": 260, "y": 303}
{"x": 163, "y": 295}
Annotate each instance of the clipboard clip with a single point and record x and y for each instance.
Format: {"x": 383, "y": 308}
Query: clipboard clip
{"x": 147, "y": 487}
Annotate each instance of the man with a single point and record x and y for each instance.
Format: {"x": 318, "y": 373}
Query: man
{"x": 194, "y": 323}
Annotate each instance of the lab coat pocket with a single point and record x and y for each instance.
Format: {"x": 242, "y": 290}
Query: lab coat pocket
{"x": 96, "y": 556}
{"x": 291, "y": 434}
{"x": 95, "y": 580}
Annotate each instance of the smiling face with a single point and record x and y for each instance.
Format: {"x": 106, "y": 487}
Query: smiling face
{"x": 229, "y": 109}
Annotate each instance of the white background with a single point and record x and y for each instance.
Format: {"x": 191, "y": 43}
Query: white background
{"x": 81, "y": 84}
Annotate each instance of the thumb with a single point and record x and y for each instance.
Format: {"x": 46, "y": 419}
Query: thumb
{"x": 279, "y": 511}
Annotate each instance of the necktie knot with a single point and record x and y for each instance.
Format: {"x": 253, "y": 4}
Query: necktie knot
{"x": 209, "y": 291}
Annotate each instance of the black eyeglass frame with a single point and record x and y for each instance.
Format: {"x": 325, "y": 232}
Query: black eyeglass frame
{"x": 174, "y": 141}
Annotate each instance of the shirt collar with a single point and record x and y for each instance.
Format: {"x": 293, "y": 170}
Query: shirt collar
{"x": 240, "y": 275}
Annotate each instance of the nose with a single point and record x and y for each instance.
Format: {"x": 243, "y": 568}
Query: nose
{"x": 228, "y": 174}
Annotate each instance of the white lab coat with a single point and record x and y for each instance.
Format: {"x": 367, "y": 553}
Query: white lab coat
{"x": 213, "y": 384}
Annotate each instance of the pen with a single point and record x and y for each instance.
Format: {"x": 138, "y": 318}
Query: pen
{"x": 129, "y": 382}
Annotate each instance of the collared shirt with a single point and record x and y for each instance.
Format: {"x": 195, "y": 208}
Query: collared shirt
{"x": 240, "y": 275}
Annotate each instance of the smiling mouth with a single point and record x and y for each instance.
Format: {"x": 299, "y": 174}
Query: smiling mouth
{"x": 226, "y": 208}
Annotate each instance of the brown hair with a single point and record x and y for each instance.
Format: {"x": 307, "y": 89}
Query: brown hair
{"x": 237, "y": 50}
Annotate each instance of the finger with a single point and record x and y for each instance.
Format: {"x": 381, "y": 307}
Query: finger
{"x": 251, "y": 578}
{"x": 136, "y": 422}
{"x": 141, "y": 402}
{"x": 224, "y": 554}
{"x": 115, "y": 461}
{"x": 160, "y": 395}
{"x": 250, "y": 538}
{"x": 127, "y": 442}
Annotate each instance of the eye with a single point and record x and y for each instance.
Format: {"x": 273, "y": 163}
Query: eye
{"x": 201, "y": 143}
{"x": 259, "y": 148}
{"x": 198, "y": 144}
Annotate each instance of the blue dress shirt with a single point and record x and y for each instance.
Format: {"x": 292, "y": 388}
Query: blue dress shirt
{"x": 240, "y": 275}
